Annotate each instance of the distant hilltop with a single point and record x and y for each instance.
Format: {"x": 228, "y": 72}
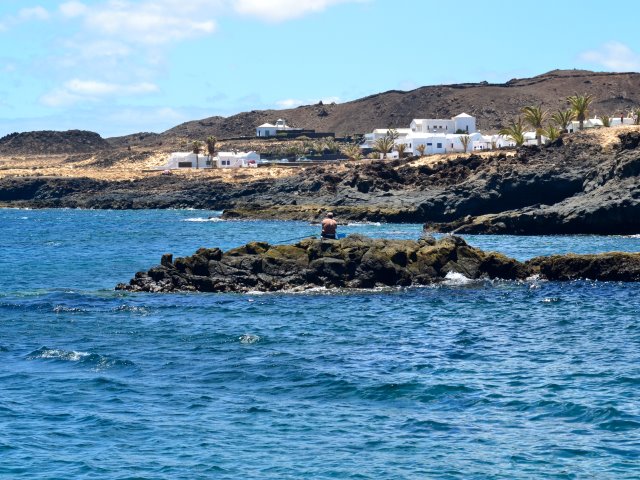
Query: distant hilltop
{"x": 493, "y": 105}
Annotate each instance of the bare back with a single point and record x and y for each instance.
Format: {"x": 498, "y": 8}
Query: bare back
{"x": 329, "y": 226}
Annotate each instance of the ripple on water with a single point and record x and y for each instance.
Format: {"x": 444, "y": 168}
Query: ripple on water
{"x": 97, "y": 361}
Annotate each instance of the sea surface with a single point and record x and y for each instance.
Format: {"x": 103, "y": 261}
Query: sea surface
{"x": 464, "y": 380}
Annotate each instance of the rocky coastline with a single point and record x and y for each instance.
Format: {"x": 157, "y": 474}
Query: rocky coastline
{"x": 576, "y": 185}
{"x": 361, "y": 262}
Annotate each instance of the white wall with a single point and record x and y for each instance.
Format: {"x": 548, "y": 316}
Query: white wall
{"x": 265, "y": 131}
{"x": 467, "y": 124}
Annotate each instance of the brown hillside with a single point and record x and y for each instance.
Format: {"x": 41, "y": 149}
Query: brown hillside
{"x": 492, "y": 104}
{"x": 52, "y": 142}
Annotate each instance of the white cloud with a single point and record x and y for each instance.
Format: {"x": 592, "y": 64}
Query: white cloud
{"x": 73, "y": 9}
{"x": 614, "y": 56}
{"x": 280, "y": 10}
{"x": 149, "y": 23}
{"x": 33, "y": 13}
{"x": 76, "y": 90}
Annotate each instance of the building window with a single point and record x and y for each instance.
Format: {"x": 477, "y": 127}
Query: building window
{"x": 439, "y": 145}
{"x": 429, "y": 144}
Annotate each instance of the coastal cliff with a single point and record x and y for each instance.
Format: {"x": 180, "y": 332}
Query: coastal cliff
{"x": 361, "y": 262}
{"x": 583, "y": 183}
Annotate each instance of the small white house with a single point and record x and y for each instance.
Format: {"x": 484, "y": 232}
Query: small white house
{"x": 236, "y": 159}
{"x": 491, "y": 142}
{"x": 178, "y": 160}
{"x": 463, "y": 122}
{"x": 269, "y": 130}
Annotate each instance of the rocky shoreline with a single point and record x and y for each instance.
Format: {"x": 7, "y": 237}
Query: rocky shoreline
{"x": 361, "y": 262}
{"x": 576, "y": 185}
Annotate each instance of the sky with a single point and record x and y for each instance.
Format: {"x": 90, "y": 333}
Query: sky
{"x": 118, "y": 67}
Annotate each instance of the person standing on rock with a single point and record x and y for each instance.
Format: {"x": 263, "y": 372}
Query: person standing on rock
{"x": 329, "y": 226}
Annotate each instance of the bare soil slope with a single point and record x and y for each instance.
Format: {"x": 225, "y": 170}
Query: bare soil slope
{"x": 492, "y": 104}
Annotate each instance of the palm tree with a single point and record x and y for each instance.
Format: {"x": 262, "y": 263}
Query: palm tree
{"x": 515, "y": 130}
{"x": 352, "y": 151}
{"x": 383, "y": 145}
{"x": 211, "y": 145}
{"x": 551, "y": 132}
{"x": 562, "y": 119}
{"x": 535, "y": 117}
{"x": 465, "y": 140}
{"x": 421, "y": 148}
{"x": 606, "y": 120}
{"x": 580, "y": 106}
{"x": 197, "y": 148}
{"x": 401, "y": 148}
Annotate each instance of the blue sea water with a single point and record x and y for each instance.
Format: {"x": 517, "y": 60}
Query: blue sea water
{"x": 465, "y": 380}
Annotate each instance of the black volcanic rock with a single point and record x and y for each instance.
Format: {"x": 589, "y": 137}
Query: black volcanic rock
{"x": 361, "y": 262}
{"x": 353, "y": 262}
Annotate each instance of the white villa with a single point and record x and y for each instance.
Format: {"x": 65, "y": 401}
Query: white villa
{"x": 446, "y": 136}
{"x": 460, "y": 124}
{"x": 182, "y": 160}
{"x": 237, "y": 159}
{"x": 269, "y": 130}
{"x": 178, "y": 160}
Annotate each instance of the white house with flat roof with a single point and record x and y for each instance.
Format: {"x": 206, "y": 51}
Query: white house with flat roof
{"x": 178, "y": 160}
{"x": 269, "y": 130}
{"x": 439, "y": 142}
{"x": 236, "y": 159}
{"x": 460, "y": 123}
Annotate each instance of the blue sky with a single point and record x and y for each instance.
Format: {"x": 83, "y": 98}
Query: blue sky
{"x": 124, "y": 66}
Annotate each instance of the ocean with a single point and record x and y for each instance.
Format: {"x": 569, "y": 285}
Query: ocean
{"x": 462, "y": 380}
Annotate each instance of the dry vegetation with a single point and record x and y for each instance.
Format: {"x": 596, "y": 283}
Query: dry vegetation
{"x": 139, "y": 163}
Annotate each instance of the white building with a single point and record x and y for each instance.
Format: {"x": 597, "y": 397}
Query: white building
{"x": 236, "y": 159}
{"x": 491, "y": 142}
{"x": 439, "y": 142}
{"x": 462, "y": 123}
{"x": 179, "y": 160}
{"x": 269, "y": 130}
{"x": 371, "y": 138}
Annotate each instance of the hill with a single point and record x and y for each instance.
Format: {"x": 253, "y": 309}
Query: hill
{"x": 52, "y": 143}
{"x": 492, "y": 103}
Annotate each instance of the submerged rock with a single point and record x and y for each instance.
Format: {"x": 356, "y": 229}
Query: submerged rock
{"x": 353, "y": 262}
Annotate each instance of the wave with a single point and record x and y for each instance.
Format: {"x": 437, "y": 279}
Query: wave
{"x": 99, "y": 362}
{"x": 455, "y": 278}
{"x": 362, "y": 224}
{"x": 203, "y": 219}
{"x": 248, "y": 338}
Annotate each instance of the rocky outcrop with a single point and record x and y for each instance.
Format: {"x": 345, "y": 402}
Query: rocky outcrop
{"x": 613, "y": 266}
{"x": 361, "y": 262}
{"x": 353, "y": 262}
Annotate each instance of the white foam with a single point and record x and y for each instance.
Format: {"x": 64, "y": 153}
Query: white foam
{"x": 64, "y": 355}
{"x": 455, "y": 278}
{"x": 202, "y": 219}
{"x": 248, "y": 338}
{"x": 361, "y": 224}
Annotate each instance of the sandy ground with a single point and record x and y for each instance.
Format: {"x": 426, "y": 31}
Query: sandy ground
{"x": 127, "y": 168}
